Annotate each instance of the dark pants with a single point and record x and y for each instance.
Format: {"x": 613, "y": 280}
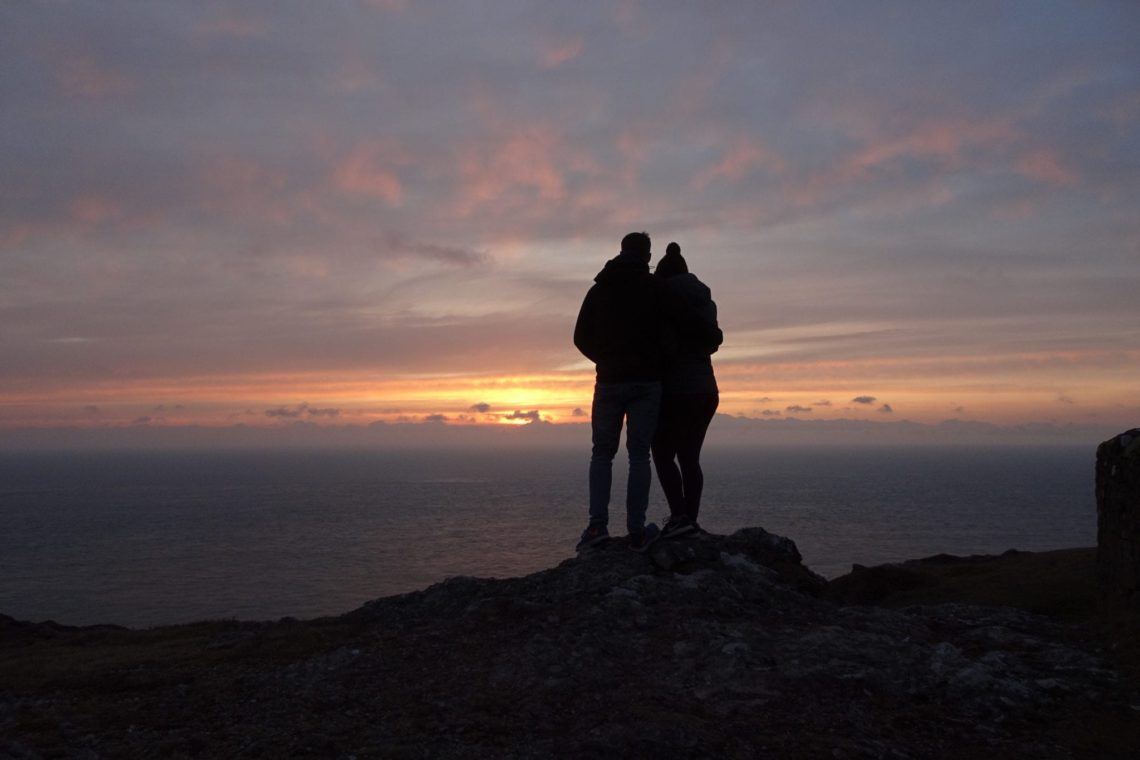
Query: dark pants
{"x": 615, "y": 403}
{"x": 681, "y": 429}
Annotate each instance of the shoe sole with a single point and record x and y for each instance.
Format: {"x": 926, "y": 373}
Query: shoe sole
{"x": 679, "y": 532}
{"x": 591, "y": 544}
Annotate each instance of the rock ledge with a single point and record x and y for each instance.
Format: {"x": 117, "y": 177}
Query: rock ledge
{"x": 715, "y": 646}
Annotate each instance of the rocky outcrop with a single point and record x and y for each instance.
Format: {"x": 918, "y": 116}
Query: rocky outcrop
{"x": 705, "y": 647}
{"x": 1118, "y": 522}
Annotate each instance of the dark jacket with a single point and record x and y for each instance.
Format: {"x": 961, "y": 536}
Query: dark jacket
{"x": 621, "y": 325}
{"x": 689, "y": 369}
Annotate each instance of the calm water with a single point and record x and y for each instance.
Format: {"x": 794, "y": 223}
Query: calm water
{"x": 153, "y": 538}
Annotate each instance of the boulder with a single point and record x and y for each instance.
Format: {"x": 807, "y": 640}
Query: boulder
{"x": 1118, "y": 522}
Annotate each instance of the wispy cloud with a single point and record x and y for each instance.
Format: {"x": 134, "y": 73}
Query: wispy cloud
{"x": 215, "y": 192}
{"x": 555, "y": 52}
{"x": 284, "y": 412}
{"x": 86, "y": 77}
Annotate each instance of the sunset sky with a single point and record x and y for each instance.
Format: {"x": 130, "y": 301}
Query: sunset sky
{"x": 341, "y": 213}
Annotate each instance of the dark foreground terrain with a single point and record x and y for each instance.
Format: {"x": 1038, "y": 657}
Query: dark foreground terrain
{"x": 710, "y": 647}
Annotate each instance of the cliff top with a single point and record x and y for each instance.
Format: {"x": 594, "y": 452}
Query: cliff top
{"x": 717, "y": 646}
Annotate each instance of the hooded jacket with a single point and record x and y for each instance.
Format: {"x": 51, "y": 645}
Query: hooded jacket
{"x": 622, "y": 326}
{"x": 689, "y": 368}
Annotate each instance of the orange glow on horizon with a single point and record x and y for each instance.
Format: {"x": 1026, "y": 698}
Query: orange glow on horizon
{"x": 1009, "y": 390}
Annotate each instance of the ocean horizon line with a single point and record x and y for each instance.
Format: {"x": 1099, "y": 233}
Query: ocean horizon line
{"x": 725, "y": 431}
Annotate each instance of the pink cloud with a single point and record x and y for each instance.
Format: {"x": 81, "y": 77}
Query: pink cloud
{"x": 554, "y": 53}
{"x": 626, "y": 15}
{"x": 509, "y": 161}
{"x": 16, "y": 235}
{"x": 83, "y": 76}
{"x": 947, "y": 142}
{"x": 356, "y": 75}
{"x": 235, "y": 184}
{"x": 534, "y": 158}
{"x": 1017, "y": 210}
{"x": 634, "y": 144}
{"x": 742, "y": 156}
{"x": 1045, "y": 165}
{"x": 94, "y": 209}
{"x": 691, "y": 96}
{"x": 951, "y": 144}
{"x": 367, "y": 170}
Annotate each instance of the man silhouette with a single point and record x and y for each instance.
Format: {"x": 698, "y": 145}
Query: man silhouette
{"x": 619, "y": 329}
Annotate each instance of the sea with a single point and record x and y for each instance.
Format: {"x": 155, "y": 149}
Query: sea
{"x": 162, "y": 537}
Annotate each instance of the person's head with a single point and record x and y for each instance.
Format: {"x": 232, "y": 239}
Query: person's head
{"x": 672, "y": 263}
{"x": 637, "y": 244}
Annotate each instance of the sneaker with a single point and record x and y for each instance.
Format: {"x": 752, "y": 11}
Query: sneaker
{"x": 678, "y": 526}
{"x": 592, "y": 536}
{"x": 642, "y": 540}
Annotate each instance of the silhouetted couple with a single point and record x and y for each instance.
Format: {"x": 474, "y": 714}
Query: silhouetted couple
{"x": 650, "y": 337}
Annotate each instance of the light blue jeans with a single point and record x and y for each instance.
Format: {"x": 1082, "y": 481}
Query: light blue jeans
{"x": 613, "y": 403}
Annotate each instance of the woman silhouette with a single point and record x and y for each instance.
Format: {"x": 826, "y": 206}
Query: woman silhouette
{"x": 690, "y": 395}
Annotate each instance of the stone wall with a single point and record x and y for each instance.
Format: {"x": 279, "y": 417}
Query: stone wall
{"x": 1118, "y": 522}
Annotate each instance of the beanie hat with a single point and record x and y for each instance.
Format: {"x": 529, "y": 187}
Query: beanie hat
{"x": 672, "y": 263}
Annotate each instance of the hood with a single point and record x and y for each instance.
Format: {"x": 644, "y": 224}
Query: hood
{"x": 688, "y": 285}
{"x": 622, "y": 267}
